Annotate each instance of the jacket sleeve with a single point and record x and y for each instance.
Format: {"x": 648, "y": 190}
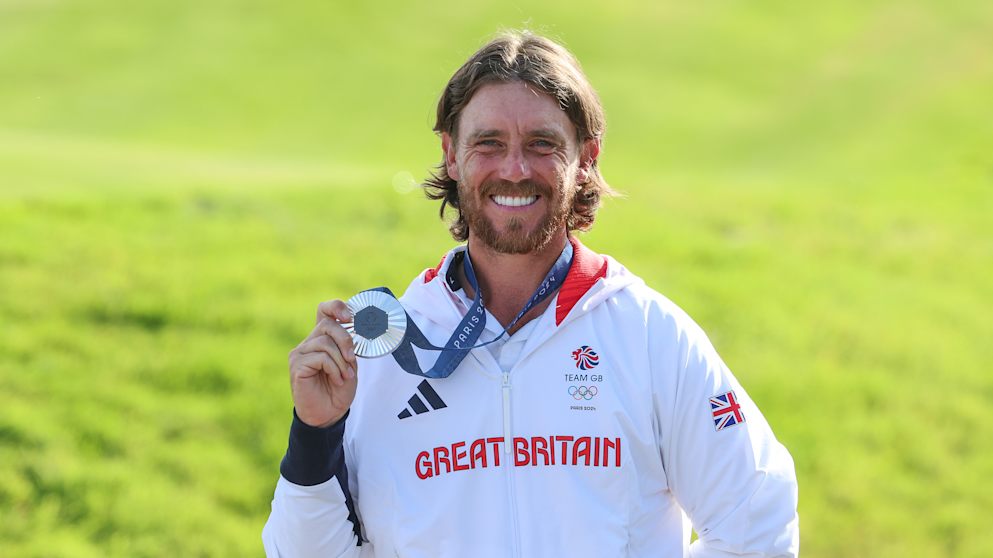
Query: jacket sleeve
{"x": 313, "y": 514}
{"x": 732, "y": 478}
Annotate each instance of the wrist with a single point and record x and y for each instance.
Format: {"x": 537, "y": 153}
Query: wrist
{"x": 314, "y": 452}
{"x": 310, "y": 422}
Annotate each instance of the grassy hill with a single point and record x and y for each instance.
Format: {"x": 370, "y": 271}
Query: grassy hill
{"x": 182, "y": 182}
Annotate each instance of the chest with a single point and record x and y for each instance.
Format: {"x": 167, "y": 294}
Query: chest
{"x": 569, "y": 426}
{"x": 582, "y": 397}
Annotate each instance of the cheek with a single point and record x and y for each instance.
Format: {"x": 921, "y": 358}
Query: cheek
{"x": 468, "y": 167}
{"x": 480, "y": 169}
{"x": 560, "y": 175}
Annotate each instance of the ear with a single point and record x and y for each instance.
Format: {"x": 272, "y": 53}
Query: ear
{"x": 588, "y": 154}
{"x": 448, "y": 147}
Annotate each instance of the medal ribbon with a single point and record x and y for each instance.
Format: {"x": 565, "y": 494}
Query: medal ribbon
{"x": 464, "y": 338}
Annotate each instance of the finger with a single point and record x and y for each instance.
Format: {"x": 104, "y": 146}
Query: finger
{"x": 334, "y": 309}
{"x": 321, "y": 363}
{"x": 307, "y": 365}
{"x": 325, "y": 344}
{"x": 323, "y": 326}
{"x": 337, "y": 334}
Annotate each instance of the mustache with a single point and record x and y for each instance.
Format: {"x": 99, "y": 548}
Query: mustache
{"x": 507, "y": 188}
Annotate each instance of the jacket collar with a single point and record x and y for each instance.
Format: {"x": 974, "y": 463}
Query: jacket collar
{"x": 587, "y": 268}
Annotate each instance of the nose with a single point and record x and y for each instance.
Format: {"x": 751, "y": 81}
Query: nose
{"x": 515, "y": 166}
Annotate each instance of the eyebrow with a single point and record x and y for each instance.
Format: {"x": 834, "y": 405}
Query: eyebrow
{"x": 492, "y": 133}
{"x": 548, "y": 133}
{"x": 545, "y": 133}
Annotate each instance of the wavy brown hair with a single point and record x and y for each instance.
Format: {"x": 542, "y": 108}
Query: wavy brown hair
{"x": 548, "y": 67}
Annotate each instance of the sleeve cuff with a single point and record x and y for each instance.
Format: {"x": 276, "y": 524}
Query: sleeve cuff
{"x": 313, "y": 453}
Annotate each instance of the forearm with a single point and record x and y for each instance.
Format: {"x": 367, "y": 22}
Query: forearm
{"x": 312, "y": 512}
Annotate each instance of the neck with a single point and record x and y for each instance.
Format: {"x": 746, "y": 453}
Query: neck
{"x": 509, "y": 280}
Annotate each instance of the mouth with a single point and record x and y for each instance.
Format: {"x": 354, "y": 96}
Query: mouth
{"x": 514, "y": 201}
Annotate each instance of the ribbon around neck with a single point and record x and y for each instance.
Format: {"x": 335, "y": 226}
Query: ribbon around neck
{"x": 464, "y": 338}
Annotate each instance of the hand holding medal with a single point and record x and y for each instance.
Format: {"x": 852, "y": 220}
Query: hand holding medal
{"x": 323, "y": 368}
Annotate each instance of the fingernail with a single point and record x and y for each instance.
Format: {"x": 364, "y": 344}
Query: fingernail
{"x": 351, "y": 372}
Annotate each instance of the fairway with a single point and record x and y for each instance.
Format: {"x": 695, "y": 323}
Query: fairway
{"x": 181, "y": 183}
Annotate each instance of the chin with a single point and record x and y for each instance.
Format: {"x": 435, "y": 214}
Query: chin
{"x": 515, "y": 237}
{"x": 517, "y": 242}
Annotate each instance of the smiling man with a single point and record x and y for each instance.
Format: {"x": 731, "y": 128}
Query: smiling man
{"x": 573, "y": 411}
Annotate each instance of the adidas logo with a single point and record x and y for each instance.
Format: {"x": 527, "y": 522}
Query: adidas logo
{"x": 417, "y": 404}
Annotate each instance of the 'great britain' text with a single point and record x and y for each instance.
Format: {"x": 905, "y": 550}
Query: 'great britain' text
{"x": 583, "y": 451}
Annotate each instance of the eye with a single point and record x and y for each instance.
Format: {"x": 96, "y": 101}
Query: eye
{"x": 543, "y": 146}
{"x": 487, "y": 144}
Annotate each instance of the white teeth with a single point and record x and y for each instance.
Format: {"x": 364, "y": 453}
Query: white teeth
{"x": 514, "y": 201}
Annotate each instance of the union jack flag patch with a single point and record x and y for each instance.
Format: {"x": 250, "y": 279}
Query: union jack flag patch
{"x": 726, "y": 410}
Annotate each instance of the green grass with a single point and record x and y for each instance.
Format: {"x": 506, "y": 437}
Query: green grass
{"x": 181, "y": 183}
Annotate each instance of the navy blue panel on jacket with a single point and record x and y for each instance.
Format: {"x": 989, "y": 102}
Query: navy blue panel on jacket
{"x": 314, "y": 455}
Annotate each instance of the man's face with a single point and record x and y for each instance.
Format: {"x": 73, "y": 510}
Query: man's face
{"x": 516, "y": 160}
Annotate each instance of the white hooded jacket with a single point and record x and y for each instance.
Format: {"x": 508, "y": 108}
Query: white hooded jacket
{"x": 618, "y": 428}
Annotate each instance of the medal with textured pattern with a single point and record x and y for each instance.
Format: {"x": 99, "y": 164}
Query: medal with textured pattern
{"x": 378, "y": 325}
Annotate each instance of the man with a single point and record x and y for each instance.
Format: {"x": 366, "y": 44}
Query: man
{"x": 601, "y": 423}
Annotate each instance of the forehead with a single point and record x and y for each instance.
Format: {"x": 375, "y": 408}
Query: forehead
{"x": 513, "y": 107}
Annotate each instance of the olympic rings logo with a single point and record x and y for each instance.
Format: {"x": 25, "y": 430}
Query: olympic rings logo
{"x": 583, "y": 392}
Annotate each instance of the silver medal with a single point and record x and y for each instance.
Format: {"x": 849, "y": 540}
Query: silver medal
{"x": 378, "y": 325}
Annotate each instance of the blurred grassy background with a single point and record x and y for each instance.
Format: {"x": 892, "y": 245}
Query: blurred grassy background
{"x": 181, "y": 182}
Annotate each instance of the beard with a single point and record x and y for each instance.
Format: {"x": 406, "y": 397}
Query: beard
{"x": 515, "y": 238}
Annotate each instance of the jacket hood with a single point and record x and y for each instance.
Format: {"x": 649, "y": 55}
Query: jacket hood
{"x": 592, "y": 279}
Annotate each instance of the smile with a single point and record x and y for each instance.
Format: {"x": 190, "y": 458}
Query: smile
{"x": 514, "y": 201}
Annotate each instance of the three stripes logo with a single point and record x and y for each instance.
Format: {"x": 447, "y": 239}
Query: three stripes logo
{"x": 419, "y": 405}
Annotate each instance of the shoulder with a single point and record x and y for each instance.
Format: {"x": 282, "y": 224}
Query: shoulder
{"x": 674, "y": 344}
{"x": 633, "y": 295}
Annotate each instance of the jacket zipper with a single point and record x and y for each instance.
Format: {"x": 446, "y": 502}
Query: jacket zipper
{"x": 507, "y": 439}
{"x": 508, "y": 460}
